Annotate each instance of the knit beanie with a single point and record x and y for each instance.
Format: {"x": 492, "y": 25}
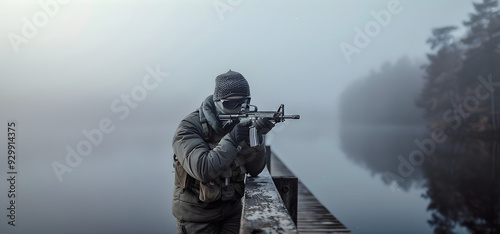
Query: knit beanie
{"x": 229, "y": 84}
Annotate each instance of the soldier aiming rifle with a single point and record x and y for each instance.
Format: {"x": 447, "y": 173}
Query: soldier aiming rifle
{"x": 214, "y": 148}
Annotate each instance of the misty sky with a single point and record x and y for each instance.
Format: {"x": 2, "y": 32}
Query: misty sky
{"x": 65, "y": 76}
{"x": 100, "y": 46}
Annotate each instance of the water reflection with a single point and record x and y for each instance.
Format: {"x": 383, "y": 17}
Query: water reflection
{"x": 463, "y": 186}
{"x": 460, "y": 178}
{"x": 378, "y": 148}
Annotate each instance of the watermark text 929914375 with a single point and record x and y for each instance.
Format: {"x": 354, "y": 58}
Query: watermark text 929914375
{"x": 11, "y": 171}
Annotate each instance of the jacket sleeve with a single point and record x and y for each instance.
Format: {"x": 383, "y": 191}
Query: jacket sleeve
{"x": 195, "y": 155}
{"x": 255, "y": 159}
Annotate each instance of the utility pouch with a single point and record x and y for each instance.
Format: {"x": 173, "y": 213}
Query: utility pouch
{"x": 209, "y": 192}
{"x": 181, "y": 176}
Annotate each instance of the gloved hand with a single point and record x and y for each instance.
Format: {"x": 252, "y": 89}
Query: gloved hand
{"x": 240, "y": 132}
{"x": 228, "y": 125}
{"x": 263, "y": 125}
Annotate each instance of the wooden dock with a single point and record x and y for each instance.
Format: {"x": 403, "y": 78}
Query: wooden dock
{"x": 312, "y": 216}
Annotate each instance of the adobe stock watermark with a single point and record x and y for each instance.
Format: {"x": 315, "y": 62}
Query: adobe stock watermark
{"x": 222, "y": 7}
{"x": 363, "y": 36}
{"x": 31, "y": 27}
{"x": 426, "y": 147}
{"x": 94, "y": 137}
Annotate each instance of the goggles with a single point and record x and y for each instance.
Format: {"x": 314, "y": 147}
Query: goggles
{"x": 235, "y": 103}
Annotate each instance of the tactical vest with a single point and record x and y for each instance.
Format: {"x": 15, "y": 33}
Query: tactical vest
{"x": 228, "y": 186}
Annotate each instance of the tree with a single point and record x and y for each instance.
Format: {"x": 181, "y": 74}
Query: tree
{"x": 440, "y": 88}
{"x": 455, "y": 71}
{"x": 384, "y": 97}
{"x": 481, "y": 56}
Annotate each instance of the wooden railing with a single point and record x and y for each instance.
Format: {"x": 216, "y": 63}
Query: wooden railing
{"x": 270, "y": 204}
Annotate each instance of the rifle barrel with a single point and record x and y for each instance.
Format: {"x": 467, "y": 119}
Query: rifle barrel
{"x": 291, "y": 116}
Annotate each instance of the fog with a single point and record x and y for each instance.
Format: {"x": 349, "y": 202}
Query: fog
{"x": 136, "y": 68}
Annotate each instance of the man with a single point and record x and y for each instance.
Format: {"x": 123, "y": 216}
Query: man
{"x": 211, "y": 160}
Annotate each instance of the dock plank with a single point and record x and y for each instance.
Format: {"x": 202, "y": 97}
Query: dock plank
{"x": 313, "y": 217}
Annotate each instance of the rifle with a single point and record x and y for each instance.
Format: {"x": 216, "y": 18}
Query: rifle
{"x": 251, "y": 112}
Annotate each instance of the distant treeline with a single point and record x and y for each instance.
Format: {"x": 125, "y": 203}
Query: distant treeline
{"x": 384, "y": 97}
{"x": 462, "y": 74}
{"x": 454, "y": 91}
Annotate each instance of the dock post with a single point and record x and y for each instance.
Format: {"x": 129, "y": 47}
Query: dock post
{"x": 288, "y": 190}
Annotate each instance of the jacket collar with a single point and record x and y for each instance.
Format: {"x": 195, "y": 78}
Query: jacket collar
{"x": 208, "y": 114}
